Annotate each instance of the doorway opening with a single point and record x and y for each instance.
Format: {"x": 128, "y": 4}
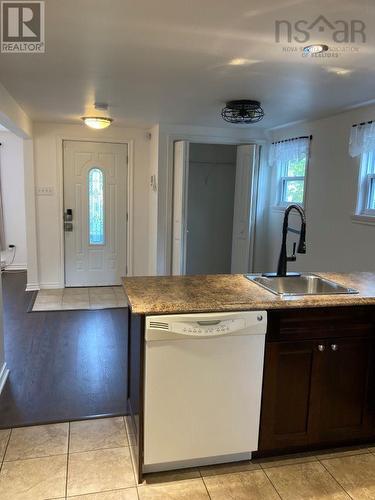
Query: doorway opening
{"x": 95, "y": 213}
{"x": 12, "y": 203}
{"x": 213, "y": 208}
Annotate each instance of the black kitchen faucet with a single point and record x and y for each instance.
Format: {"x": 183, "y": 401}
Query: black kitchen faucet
{"x": 284, "y": 259}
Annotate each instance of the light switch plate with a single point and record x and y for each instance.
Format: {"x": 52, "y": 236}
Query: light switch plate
{"x": 44, "y": 191}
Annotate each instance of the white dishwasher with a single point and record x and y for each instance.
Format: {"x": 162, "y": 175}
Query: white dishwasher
{"x": 203, "y": 384}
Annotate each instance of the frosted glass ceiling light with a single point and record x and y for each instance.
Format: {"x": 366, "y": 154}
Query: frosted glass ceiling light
{"x": 97, "y": 122}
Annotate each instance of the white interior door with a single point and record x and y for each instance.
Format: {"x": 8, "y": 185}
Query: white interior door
{"x": 95, "y": 192}
{"x": 244, "y": 208}
{"x": 180, "y": 186}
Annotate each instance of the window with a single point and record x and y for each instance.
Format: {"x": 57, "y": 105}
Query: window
{"x": 291, "y": 160}
{"x": 292, "y": 182}
{"x": 366, "y": 191}
{"x": 96, "y": 207}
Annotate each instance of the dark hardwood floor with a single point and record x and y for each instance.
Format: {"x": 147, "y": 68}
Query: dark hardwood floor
{"x": 64, "y": 365}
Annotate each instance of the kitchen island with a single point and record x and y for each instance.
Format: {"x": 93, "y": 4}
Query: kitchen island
{"x": 319, "y": 368}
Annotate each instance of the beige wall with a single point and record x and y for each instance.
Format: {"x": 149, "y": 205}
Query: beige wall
{"x": 334, "y": 241}
{"x": 48, "y": 172}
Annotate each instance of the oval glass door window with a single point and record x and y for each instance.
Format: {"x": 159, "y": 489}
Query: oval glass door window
{"x": 96, "y": 207}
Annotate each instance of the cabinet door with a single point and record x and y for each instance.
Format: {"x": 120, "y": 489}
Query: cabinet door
{"x": 289, "y": 394}
{"x": 344, "y": 390}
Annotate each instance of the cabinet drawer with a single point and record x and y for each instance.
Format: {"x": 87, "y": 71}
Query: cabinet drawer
{"x": 320, "y": 323}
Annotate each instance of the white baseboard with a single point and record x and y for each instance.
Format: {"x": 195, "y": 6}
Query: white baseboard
{"x": 16, "y": 267}
{"x": 4, "y": 372}
{"x": 32, "y": 287}
{"x": 52, "y": 285}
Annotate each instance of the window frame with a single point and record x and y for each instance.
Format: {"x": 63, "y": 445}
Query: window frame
{"x": 96, "y": 245}
{"x": 282, "y": 181}
{"x": 366, "y": 182}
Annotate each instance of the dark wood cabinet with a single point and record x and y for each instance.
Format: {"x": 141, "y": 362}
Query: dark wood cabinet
{"x": 288, "y": 394}
{"x": 318, "y": 385}
{"x": 343, "y": 409}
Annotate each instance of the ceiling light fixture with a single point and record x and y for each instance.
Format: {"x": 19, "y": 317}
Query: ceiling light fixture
{"x": 242, "y": 111}
{"x": 338, "y": 71}
{"x": 239, "y": 61}
{"x": 97, "y": 122}
{"x": 316, "y": 48}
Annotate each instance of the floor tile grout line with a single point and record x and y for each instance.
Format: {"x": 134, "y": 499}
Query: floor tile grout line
{"x": 205, "y": 485}
{"x": 99, "y": 449}
{"x": 289, "y": 463}
{"x": 34, "y": 458}
{"x": 5, "y": 450}
{"x": 272, "y": 484}
{"x": 336, "y": 480}
{"x": 102, "y": 491}
{"x": 24, "y": 459}
{"x": 342, "y": 455}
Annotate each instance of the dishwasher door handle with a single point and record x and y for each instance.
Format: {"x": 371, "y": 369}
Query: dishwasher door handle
{"x": 209, "y": 322}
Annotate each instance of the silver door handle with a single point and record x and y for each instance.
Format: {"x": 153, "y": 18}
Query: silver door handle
{"x": 68, "y": 215}
{"x": 321, "y": 347}
{"x": 334, "y": 347}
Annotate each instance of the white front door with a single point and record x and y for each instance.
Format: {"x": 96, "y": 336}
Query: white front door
{"x": 95, "y": 199}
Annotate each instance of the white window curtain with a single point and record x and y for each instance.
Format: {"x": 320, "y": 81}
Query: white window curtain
{"x": 362, "y": 139}
{"x": 290, "y": 150}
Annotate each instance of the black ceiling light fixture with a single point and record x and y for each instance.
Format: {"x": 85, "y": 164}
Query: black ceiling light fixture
{"x": 242, "y": 111}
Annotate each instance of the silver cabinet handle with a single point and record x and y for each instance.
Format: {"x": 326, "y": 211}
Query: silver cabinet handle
{"x": 334, "y": 347}
{"x": 321, "y": 347}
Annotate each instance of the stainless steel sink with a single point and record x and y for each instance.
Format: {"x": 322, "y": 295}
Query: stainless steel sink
{"x": 305, "y": 284}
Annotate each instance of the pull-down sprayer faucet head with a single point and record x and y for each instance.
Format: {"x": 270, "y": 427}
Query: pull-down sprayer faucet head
{"x": 302, "y": 238}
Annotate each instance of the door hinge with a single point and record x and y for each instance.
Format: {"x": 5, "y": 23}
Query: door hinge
{"x": 127, "y": 217}
{"x": 126, "y": 270}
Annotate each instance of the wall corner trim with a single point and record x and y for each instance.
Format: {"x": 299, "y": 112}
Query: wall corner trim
{"x": 4, "y": 372}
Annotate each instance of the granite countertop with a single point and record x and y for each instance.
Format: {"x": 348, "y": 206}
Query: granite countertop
{"x": 233, "y": 292}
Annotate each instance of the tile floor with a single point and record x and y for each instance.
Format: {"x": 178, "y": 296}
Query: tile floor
{"x": 67, "y": 299}
{"x": 91, "y": 460}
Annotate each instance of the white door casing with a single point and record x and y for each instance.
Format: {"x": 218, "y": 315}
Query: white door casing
{"x": 92, "y": 260}
{"x": 180, "y": 186}
{"x": 244, "y": 208}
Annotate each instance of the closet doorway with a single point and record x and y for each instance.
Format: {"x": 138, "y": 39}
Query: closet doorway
{"x": 213, "y": 207}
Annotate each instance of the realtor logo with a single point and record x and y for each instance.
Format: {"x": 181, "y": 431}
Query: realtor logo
{"x": 22, "y": 27}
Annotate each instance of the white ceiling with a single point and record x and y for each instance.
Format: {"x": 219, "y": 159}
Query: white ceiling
{"x": 167, "y": 61}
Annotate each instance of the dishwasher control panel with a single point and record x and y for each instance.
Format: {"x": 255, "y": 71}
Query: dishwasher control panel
{"x": 206, "y": 325}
